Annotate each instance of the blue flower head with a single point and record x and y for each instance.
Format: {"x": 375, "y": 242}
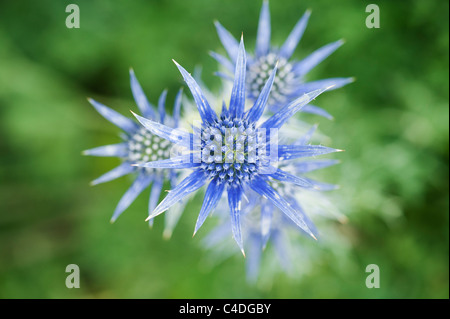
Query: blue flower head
{"x": 289, "y": 82}
{"x": 233, "y": 151}
{"x": 139, "y": 146}
{"x": 265, "y": 224}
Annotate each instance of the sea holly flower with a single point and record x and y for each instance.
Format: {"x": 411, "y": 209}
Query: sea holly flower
{"x": 138, "y": 145}
{"x": 290, "y": 81}
{"x": 265, "y": 224}
{"x": 232, "y": 150}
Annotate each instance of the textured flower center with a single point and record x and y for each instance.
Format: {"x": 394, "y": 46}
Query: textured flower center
{"x": 260, "y": 71}
{"x": 232, "y": 150}
{"x": 143, "y": 147}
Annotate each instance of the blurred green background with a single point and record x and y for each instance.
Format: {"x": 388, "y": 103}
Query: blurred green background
{"x": 392, "y": 122}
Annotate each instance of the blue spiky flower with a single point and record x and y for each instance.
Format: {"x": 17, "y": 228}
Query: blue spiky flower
{"x": 233, "y": 150}
{"x": 289, "y": 82}
{"x": 138, "y": 146}
{"x": 263, "y": 222}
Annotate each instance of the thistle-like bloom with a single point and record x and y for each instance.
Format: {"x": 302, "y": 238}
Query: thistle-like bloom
{"x": 264, "y": 223}
{"x": 289, "y": 82}
{"x": 139, "y": 146}
{"x": 232, "y": 151}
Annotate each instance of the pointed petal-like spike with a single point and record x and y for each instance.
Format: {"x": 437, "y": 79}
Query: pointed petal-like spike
{"x": 141, "y": 182}
{"x": 219, "y": 234}
{"x": 253, "y": 260}
{"x": 287, "y": 152}
{"x": 162, "y": 106}
{"x": 171, "y": 218}
{"x": 307, "y": 137}
{"x": 228, "y": 41}
{"x": 296, "y": 205}
{"x": 312, "y": 60}
{"x": 295, "y": 36}
{"x": 287, "y": 177}
{"x": 333, "y": 83}
{"x": 173, "y": 178}
{"x": 312, "y": 109}
{"x": 263, "y": 35}
{"x": 178, "y": 162}
{"x": 224, "y": 111}
{"x": 146, "y": 108}
{"x": 121, "y": 170}
{"x": 309, "y": 166}
{"x": 266, "y": 222}
{"x": 234, "y": 201}
{"x": 177, "y": 108}
{"x": 282, "y": 247}
{"x": 261, "y": 187}
{"x": 206, "y": 112}
{"x": 320, "y": 186}
{"x": 190, "y": 184}
{"x": 224, "y": 76}
{"x": 177, "y": 136}
{"x": 155, "y": 193}
{"x": 113, "y": 150}
{"x": 117, "y": 119}
{"x": 222, "y": 60}
{"x": 237, "y": 100}
{"x": 257, "y": 109}
{"x": 279, "y": 118}
{"x": 212, "y": 197}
